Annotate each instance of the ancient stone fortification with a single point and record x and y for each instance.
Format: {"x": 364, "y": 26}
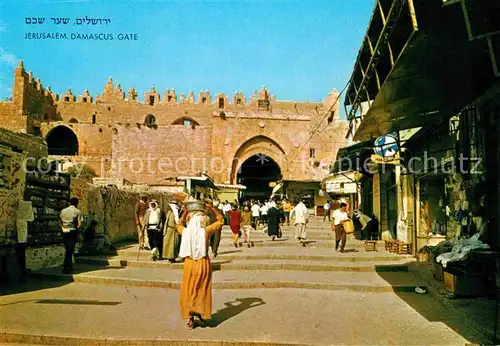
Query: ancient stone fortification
{"x": 113, "y": 208}
{"x": 173, "y": 134}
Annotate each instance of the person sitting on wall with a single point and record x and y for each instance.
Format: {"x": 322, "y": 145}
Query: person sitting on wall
{"x": 94, "y": 242}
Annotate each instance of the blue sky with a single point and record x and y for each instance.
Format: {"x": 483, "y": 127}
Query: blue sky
{"x": 300, "y": 50}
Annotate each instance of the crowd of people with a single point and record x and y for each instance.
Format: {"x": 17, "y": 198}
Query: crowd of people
{"x": 187, "y": 230}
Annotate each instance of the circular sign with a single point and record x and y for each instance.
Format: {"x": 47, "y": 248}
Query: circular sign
{"x": 386, "y": 146}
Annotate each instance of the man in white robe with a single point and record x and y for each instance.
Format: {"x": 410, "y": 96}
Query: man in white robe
{"x": 300, "y": 215}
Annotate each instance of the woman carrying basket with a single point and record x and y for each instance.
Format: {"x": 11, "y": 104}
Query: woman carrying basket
{"x": 196, "y": 284}
{"x": 340, "y": 216}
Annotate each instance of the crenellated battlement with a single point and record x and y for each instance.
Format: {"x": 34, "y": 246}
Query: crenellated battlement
{"x": 152, "y": 97}
{"x": 29, "y": 90}
{"x": 117, "y": 105}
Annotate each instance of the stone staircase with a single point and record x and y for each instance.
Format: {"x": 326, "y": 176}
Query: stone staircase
{"x": 273, "y": 294}
{"x": 283, "y": 263}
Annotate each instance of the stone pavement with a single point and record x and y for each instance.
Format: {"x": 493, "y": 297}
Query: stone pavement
{"x": 315, "y": 317}
{"x": 275, "y": 293}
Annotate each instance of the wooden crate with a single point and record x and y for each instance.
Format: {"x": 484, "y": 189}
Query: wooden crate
{"x": 404, "y": 248}
{"x": 387, "y": 246}
{"x": 463, "y": 285}
{"x": 370, "y": 245}
{"x": 394, "y": 246}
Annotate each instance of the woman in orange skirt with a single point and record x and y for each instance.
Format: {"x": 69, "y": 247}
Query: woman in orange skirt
{"x": 196, "y": 284}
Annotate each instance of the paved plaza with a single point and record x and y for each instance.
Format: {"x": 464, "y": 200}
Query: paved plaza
{"x": 275, "y": 293}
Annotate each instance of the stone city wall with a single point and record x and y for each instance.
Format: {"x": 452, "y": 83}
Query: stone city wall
{"x": 113, "y": 208}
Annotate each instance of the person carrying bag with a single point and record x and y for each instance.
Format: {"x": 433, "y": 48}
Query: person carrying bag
{"x": 341, "y": 220}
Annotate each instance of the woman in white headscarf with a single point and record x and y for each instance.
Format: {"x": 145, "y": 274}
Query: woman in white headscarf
{"x": 196, "y": 284}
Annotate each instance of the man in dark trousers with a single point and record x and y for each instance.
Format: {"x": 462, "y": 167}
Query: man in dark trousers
{"x": 340, "y": 216}
{"x": 71, "y": 221}
{"x": 215, "y": 238}
{"x": 273, "y": 221}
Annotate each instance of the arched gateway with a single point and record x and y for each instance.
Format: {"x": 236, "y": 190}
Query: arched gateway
{"x": 256, "y": 163}
{"x": 61, "y": 140}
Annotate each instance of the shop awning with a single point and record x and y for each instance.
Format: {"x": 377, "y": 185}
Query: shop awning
{"x": 231, "y": 186}
{"x": 417, "y": 64}
{"x": 355, "y": 157}
{"x": 203, "y": 181}
{"x": 277, "y": 188}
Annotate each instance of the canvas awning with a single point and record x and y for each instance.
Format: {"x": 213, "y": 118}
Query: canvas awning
{"x": 354, "y": 158}
{"x": 203, "y": 181}
{"x": 418, "y": 64}
{"x": 277, "y": 188}
{"x": 231, "y": 186}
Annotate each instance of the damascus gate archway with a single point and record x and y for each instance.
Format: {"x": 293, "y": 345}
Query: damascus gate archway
{"x": 258, "y": 162}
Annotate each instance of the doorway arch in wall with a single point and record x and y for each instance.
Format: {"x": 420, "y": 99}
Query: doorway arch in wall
{"x": 61, "y": 140}
{"x": 263, "y": 149}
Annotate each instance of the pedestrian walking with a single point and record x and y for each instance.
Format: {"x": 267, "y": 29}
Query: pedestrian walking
{"x": 273, "y": 221}
{"x": 256, "y": 213}
{"x": 171, "y": 238}
{"x": 287, "y": 208}
{"x": 234, "y": 224}
{"x": 214, "y": 214}
{"x": 227, "y": 208}
{"x": 246, "y": 226}
{"x": 300, "y": 215}
{"x": 139, "y": 212}
{"x": 196, "y": 284}
{"x": 263, "y": 213}
{"x": 340, "y": 216}
{"x": 327, "y": 211}
{"x": 154, "y": 228}
{"x": 71, "y": 220}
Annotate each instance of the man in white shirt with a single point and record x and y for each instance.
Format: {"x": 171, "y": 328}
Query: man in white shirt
{"x": 71, "y": 221}
{"x": 255, "y": 213}
{"x": 327, "y": 211}
{"x": 300, "y": 215}
{"x": 227, "y": 208}
{"x": 263, "y": 214}
{"x": 154, "y": 228}
{"x": 339, "y": 216}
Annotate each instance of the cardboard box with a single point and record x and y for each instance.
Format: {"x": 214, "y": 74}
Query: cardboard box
{"x": 463, "y": 285}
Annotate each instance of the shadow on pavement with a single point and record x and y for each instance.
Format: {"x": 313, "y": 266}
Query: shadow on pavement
{"x": 76, "y": 302}
{"x": 232, "y": 309}
{"x": 229, "y": 252}
{"x": 33, "y": 282}
{"x": 63, "y": 301}
{"x": 435, "y": 308}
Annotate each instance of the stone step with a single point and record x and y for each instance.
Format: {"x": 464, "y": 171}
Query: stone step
{"x": 258, "y": 235}
{"x": 241, "y": 279}
{"x": 292, "y": 242}
{"x": 271, "y": 264}
{"x": 264, "y": 241}
{"x": 33, "y": 339}
{"x": 278, "y": 253}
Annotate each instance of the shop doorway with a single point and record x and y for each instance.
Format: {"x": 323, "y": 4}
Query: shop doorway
{"x": 256, "y": 173}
